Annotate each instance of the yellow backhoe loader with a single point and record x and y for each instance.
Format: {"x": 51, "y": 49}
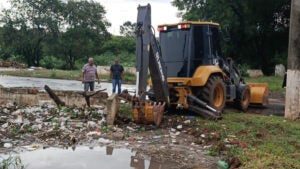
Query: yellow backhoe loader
{"x": 187, "y": 71}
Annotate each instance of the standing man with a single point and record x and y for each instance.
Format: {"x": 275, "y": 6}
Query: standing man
{"x": 89, "y": 74}
{"x": 116, "y": 74}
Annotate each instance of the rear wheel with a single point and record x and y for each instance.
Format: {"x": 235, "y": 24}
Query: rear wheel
{"x": 242, "y": 100}
{"x": 213, "y": 93}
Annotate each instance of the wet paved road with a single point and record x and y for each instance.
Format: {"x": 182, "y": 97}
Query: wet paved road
{"x": 57, "y": 84}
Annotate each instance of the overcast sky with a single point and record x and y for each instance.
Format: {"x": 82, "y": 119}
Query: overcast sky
{"x": 120, "y": 11}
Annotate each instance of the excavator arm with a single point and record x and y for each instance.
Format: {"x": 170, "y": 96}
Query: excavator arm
{"x": 148, "y": 55}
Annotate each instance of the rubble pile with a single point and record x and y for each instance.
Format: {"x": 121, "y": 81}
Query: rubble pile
{"x": 48, "y": 125}
{"x": 12, "y": 64}
{"x": 179, "y": 138}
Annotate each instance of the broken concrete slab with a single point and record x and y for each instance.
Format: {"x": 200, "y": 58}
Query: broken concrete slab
{"x": 32, "y": 96}
{"x": 113, "y": 106}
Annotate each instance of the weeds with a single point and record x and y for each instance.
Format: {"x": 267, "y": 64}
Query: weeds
{"x": 262, "y": 141}
{"x": 12, "y": 163}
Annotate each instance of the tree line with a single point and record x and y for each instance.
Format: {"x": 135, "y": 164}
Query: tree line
{"x": 63, "y": 34}
{"x": 60, "y": 34}
{"x": 255, "y": 32}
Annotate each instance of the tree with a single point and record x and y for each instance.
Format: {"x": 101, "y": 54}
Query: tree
{"x": 258, "y": 30}
{"x": 292, "y": 93}
{"x": 86, "y": 31}
{"x": 128, "y": 29}
{"x": 26, "y": 25}
{"x": 68, "y": 30}
{"x": 120, "y": 47}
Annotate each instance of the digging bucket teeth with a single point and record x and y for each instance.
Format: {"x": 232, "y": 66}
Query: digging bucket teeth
{"x": 148, "y": 113}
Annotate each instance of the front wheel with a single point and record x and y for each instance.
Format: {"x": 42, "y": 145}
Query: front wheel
{"x": 213, "y": 93}
{"x": 242, "y": 100}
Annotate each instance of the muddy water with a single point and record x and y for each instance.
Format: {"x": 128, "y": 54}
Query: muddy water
{"x": 12, "y": 81}
{"x": 88, "y": 158}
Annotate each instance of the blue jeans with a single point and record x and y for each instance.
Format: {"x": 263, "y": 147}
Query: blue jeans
{"x": 116, "y": 82}
{"x": 89, "y": 85}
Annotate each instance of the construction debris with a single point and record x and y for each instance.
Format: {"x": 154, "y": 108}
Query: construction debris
{"x": 36, "y": 127}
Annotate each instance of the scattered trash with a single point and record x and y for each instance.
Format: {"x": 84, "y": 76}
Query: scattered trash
{"x": 91, "y": 133}
{"x": 187, "y": 122}
{"x": 156, "y": 137}
{"x": 130, "y": 128}
{"x": 7, "y": 145}
{"x": 172, "y": 130}
{"x": 5, "y": 125}
{"x": 31, "y": 147}
{"x": 31, "y": 128}
{"x": 104, "y": 141}
{"x": 222, "y": 165}
{"x": 179, "y": 127}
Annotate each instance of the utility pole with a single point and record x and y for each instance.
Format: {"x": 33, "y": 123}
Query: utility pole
{"x": 292, "y": 104}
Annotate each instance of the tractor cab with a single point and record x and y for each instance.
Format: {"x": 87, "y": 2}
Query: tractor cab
{"x": 188, "y": 45}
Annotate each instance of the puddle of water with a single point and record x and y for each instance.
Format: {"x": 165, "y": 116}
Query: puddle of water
{"x": 57, "y": 84}
{"x": 87, "y": 158}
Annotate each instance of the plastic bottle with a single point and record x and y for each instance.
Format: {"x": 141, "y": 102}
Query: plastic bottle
{"x": 222, "y": 165}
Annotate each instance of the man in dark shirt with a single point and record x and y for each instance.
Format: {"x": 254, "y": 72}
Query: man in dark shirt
{"x": 116, "y": 74}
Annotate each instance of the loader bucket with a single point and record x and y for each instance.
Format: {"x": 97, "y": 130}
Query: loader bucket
{"x": 145, "y": 112}
{"x": 148, "y": 113}
{"x": 259, "y": 93}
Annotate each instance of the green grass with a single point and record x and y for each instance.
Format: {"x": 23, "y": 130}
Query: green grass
{"x": 266, "y": 141}
{"x": 275, "y": 83}
{"x": 125, "y": 110}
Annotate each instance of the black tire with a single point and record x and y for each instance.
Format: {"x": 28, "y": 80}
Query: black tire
{"x": 243, "y": 95}
{"x": 213, "y": 93}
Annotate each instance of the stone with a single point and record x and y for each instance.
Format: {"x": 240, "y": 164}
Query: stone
{"x": 280, "y": 70}
{"x": 33, "y": 91}
{"x": 255, "y": 73}
{"x": 118, "y": 136}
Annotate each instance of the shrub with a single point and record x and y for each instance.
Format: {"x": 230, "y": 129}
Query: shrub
{"x": 51, "y": 62}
